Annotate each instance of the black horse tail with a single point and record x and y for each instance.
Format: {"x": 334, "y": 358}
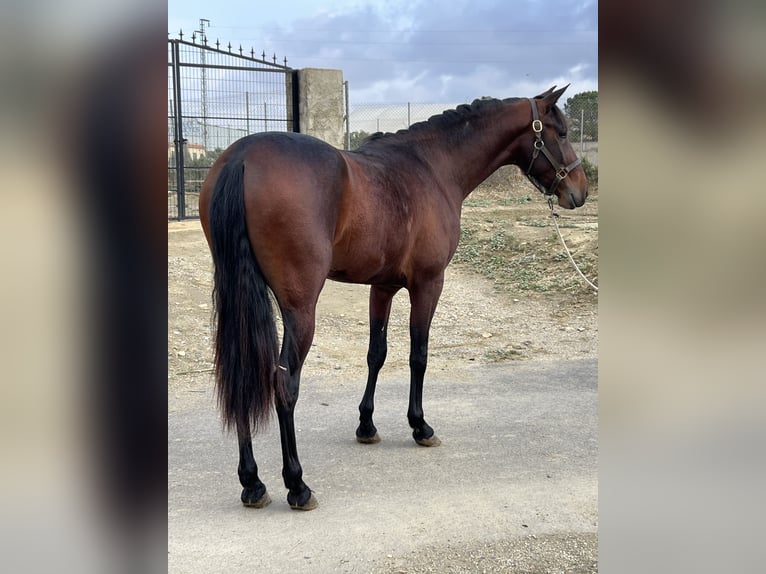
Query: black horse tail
{"x": 246, "y": 351}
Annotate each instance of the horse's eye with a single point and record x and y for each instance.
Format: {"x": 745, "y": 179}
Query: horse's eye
{"x": 563, "y": 135}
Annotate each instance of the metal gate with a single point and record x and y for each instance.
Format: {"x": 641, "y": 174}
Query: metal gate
{"x": 217, "y": 95}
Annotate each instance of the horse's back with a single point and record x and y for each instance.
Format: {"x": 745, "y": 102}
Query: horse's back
{"x": 289, "y": 178}
{"x": 357, "y": 218}
{"x": 281, "y": 160}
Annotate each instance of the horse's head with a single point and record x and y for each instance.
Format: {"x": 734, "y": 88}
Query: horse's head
{"x": 554, "y": 167}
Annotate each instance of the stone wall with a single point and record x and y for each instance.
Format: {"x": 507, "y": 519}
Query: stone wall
{"x": 320, "y": 95}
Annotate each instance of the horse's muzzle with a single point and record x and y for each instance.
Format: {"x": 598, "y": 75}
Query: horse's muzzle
{"x": 571, "y": 199}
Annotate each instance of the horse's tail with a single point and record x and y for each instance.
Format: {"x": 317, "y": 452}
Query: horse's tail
{"x": 246, "y": 349}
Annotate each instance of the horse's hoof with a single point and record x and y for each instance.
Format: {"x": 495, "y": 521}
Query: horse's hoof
{"x": 368, "y": 439}
{"x": 311, "y": 504}
{"x": 433, "y": 440}
{"x": 249, "y": 500}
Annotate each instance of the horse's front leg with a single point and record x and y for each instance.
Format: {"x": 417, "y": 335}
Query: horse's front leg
{"x": 423, "y": 300}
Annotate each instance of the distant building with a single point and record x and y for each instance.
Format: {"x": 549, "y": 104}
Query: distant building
{"x": 192, "y": 150}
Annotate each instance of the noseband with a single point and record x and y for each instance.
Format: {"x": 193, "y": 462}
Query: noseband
{"x": 539, "y": 146}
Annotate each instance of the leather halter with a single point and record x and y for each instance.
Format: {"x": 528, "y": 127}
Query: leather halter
{"x": 539, "y": 146}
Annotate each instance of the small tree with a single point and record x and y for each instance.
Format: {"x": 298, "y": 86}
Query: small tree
{"x": 356, "y": 138}
{"x": 206, "y": 160}
{"x": 583, "y": 107}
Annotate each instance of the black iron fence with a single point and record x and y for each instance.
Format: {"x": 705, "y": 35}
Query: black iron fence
{"x": 216, "y": 95}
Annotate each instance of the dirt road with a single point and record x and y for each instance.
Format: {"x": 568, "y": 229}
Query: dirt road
{"x": 512, "y": 488}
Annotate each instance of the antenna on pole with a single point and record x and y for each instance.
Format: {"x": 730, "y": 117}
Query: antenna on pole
{"x": 203, "y": 37}
{"x": 202, "y": 22}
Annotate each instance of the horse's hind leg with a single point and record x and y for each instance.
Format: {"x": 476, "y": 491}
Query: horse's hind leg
{"x": 298, "y": 334}
{"x": 380, "y": 310}
{"x": 254, "y": 492}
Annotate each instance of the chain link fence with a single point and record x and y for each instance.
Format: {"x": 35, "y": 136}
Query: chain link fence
{"x": 582, "y": 112}
{"x": 367, "y": 119}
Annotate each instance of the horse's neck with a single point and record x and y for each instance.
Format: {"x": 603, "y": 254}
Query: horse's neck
{"x": 487, "y": 144}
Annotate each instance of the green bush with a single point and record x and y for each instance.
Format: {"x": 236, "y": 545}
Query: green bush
{"x": 591, "y": 171}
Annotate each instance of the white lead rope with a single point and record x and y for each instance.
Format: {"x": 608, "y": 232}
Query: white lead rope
{"x": 555, "y": 216}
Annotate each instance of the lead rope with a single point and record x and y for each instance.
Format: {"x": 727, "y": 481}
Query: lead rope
{"x": 555, "y": 217}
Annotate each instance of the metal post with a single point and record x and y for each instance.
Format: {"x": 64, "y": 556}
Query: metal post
{"x": 293, "y": 108}
{"x": 265, "y": 118}
{"x": 582, "y": 130}
{"x": 179, "y": 139}
{"x": 409, "y": 123}
{"x": 348, "y": 116}
{"x": 247, "y": 111}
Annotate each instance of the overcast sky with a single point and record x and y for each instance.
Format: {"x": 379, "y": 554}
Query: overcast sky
{"x": 393, "y": 51}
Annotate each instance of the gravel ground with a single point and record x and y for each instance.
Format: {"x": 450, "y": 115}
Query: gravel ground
{"x": 547, "y": 554}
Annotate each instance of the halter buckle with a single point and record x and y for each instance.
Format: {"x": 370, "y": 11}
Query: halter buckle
{"x": 537, "y": 126}
{"x": 562, "y": 173}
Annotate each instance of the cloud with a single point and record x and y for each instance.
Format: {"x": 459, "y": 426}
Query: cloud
{"x": 425, "y": 50}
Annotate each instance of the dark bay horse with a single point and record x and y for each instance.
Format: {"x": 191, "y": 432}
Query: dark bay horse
{"x": 283, "y": 212}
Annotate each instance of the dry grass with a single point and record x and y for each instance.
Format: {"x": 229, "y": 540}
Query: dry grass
{"x": 508, "y": 236}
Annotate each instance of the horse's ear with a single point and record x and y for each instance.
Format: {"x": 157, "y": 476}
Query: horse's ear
{"x": 552, "y": 97}
{"x": 545, "y": 94}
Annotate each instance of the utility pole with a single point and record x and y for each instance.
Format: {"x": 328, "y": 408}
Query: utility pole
{"x": 202, "y": 22}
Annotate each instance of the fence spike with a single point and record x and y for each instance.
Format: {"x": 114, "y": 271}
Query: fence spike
{"x": 181, "y": 34}
{"x": 229, "y": 46}
{"x": 252, "y": 53}
{"x": 275, "y": 58}
{"x": 194, "y": 37}
{"x": 263, "y": 55}
{"x": 217, "y": 44}
{"x": 240, "y": 49}
{"x": 204, "y": 39}
{"x": 285, "y": 61}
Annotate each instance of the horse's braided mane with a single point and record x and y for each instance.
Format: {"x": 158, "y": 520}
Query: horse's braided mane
{"x": 443, "y": 121}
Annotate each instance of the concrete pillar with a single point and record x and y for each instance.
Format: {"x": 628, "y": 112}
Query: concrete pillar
{"x": 320, "y": 94}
